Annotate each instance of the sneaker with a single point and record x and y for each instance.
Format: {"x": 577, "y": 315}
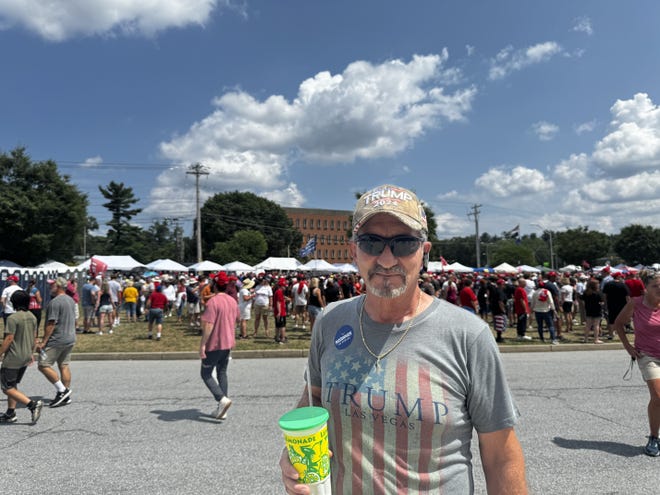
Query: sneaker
{"x": 223, "y": 405}
{"x": 652, "y": 447}
{"x": 524, "y": 337}
{"x": 60, "y": 397}
{"x": 598, "y": 342}
{"x": 555, "y": 342}
{"x": 110, "y": 331}
{"x": 36, "y": 411}
{"x": 99, "y": 333}
{"x": 4, "y": 418}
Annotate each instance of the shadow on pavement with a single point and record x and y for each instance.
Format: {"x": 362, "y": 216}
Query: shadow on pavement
{"x": 184, "y": 415}
{"x": 620, "y": 449}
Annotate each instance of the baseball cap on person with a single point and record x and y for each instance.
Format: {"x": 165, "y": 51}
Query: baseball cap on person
{"x": 59, "y": 281}
{"x": 393, "y": 200}
{"x": 222, "y": 279}
{"x": 12, "y": 278}
{"x": 282, "y": 282}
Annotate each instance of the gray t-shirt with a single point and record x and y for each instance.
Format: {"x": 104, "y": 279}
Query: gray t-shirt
{"x": 62, "y": 311}
{"x": 409, "y": 423}
{"x": 23, "y": 326}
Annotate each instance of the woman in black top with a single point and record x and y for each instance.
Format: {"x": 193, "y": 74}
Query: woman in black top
{"x": 593, "y": 310}
{"x": 316, "y": 301}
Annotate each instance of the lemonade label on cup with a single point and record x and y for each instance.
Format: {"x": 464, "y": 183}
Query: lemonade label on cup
{"x": 309, "y": 455}
{"x": 306, "y": 436}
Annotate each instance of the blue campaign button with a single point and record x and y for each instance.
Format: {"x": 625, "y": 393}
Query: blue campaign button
{"x": 344, "y": 337}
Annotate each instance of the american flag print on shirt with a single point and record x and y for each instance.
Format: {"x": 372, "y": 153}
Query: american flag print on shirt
{"x": 390, "y": 418}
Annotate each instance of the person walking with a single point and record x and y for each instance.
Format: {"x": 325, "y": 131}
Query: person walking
{"x": 280, "y": 301}
{"x": 12, "y": 286}
{"x": 263, "y": 301}
{"x": 58, "y": 341}
{"x": 543, "y": 306}
{"x": 521, "y": 309}
{"x": 405, "y": 377}
{"x": 17, "y": 350}
{"x": 35, "y": 302}
{"x": 245, "y": 298}
{"x": 156, "y": 305}
{"x": 592, "y": 300}
{"x": 316, "y": 301}
{"x": 644, "y": 311}
{"x": 218, "y": 339}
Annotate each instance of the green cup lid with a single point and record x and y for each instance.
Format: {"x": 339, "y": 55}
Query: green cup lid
{"x": 304, "y": 418}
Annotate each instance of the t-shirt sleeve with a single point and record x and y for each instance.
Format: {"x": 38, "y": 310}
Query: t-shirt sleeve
{"x": 489, "y": 400}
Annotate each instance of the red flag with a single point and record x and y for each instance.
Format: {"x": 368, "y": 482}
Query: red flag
{"x": 97, "y": 267}
{"x": 443, "y": 261}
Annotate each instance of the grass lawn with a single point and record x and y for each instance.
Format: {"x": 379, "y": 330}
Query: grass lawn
{"x": 132, "y": 337}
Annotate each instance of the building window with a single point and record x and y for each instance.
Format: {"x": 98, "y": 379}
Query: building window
{"x": 304, "y": 223}
{"x": 345, "y": 224}
{"x": 297, "y": 223}
{"x": 332, "y": 254}
{"x": 325, "y": 225}
{"x": 318, "y": 223}
{"x": 332, "y": 225}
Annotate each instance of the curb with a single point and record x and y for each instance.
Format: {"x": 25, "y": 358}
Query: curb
{"x": 301, "y": 353}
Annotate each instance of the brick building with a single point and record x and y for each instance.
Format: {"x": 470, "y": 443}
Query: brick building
{"x": 331, "y": 228}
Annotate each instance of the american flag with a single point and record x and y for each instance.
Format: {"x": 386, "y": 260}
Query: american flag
{"x": 309, "y": 248}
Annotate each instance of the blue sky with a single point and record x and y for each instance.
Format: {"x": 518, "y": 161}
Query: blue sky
{"x": 541, "y": 112}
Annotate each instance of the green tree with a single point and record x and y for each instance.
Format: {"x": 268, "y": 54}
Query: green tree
{"x": 227, "y": 213}
{"x": 638, "y": 244}
{"x": 120, "y": 200}
{"x": 573, "y": 246}
{"x": 512, "y": 253}
{"x": 43, "y": 214}
{"x": 248, "y": 246}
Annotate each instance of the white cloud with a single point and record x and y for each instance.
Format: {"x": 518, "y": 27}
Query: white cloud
{"x": 58, "y": 20}
{"x": 94, "y": 161}
{"x": 585, "y": 127}
{"x": 574, "y": 169}
{"x": 634, "y": 143}
{"x": 583, "y": 25}
{"x": 502, "y": 182}
{"x": 509, "y": 60}
{"x": 545, "y": 130}
{"x": 368, "y": 111}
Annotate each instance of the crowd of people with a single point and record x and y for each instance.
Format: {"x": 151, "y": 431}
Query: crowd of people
{"x": 404, "y": 360}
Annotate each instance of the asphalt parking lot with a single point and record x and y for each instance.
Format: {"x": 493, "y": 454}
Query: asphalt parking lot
{"x": 144, "y": 427}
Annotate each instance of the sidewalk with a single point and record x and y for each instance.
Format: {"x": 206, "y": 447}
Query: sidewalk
{"x": 294, "y": 353}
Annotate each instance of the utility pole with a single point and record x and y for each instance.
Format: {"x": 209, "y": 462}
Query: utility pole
{"x": 475, "y": 213}
{"x": 198, "y": 169}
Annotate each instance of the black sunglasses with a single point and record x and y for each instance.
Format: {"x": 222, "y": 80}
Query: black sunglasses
{"x": 400, "y": 245}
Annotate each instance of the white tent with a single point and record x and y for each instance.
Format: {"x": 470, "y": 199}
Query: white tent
{"x": 167, "y": 265}
{"x": 121, "y": 263}
{"x": 206, "y": 266}
{"x": 317, "y": 266}
{"x": 436, "y": 266}
{"x": 458, "y": 268}
{"x": 527, "y": 269}
{"x": 275, "y": 263}
{"x": 55, "y": 266}
{"x": 238, "y": 267}
{"x": 569, "y": 268}
{"x": 345, "y": 268}
{"x": 505, "y": 268}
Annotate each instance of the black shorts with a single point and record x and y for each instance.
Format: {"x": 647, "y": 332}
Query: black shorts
{"x": 11, "y": 377}
{"x": 567, "y": 307}
{"x": 280, "y": 321}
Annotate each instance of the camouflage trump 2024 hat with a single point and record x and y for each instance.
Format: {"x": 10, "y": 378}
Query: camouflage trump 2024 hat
{"x": 393, "y": 200}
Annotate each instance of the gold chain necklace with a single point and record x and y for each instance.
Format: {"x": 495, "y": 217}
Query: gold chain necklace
{"x": 403, "y": 335}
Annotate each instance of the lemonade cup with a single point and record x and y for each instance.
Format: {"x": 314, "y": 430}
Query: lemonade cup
{"x": 306, "y": 436}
